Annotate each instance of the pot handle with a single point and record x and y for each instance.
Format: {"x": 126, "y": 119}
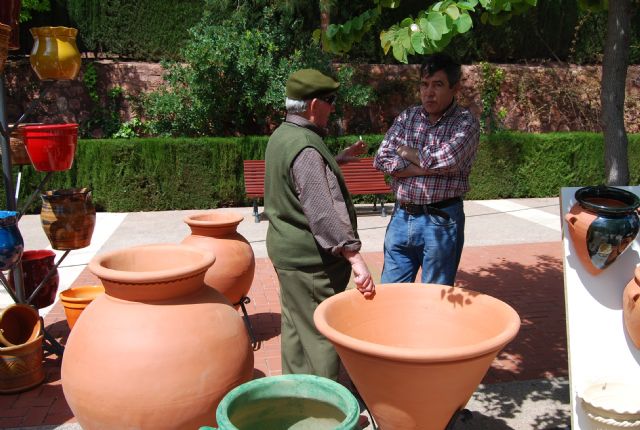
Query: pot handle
{"x": 571, "y": 220}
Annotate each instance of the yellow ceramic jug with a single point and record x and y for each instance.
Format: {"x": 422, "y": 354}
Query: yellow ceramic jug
{"x": 55, "y": 54}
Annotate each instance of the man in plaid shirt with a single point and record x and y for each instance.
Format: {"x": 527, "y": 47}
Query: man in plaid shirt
{"x": 428, "y": 151}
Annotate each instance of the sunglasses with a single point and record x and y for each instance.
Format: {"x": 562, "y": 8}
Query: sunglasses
{"x": 331, "y": 99}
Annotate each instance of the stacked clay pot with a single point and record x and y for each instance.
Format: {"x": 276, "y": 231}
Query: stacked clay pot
{"x": 602, "y": 225}
{"x": 159, "y": 349}
{"x": 215, "y": 231}
{"x": 55, "y": 54}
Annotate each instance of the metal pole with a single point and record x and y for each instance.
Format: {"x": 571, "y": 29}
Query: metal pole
{"x": 7, "y": 173}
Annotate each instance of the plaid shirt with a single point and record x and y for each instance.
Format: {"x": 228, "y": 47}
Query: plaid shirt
{"x": 446, "y": 148}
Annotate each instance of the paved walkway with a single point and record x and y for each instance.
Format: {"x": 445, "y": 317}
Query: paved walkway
{"x": 513, "y": 252}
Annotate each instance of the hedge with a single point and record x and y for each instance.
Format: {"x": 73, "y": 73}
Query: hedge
{"x": 169, "y": 174}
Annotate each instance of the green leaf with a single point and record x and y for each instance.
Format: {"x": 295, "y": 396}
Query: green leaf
{"x": 453, "y": 11}
{"x": 468, "y": 4}
{"x": 406, "y": 22}
{"x": 399, "y": 53}
{"x": 417, "y": 42}
{"x": 357, "y": 23}
{"x": 332, "y": 30}
{"x": 346, "y": 27}
{"x": 436, "y": 7}
{"x": 464, "y": 23}
{"x": 436, "y": 25}
{"x": 404, "y": 37}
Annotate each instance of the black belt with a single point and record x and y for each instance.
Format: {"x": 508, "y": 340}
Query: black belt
{"x": 414, "y": 209}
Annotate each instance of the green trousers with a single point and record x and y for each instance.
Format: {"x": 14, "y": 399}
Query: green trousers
{"x": 303, "y": 348}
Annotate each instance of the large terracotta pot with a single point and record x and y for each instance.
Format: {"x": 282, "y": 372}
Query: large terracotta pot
{"x": 233, "y": 271}
{"x": 55, "y": 54}
{"x": 51, "y": 147}
{"x": 631, "y": 308}
{"x": 36, "y": 265}
{"x": 159, "y": 349}
{"x": 11, "y": 242}
{"x": 416, "y": 352}
{"x": 602, "y": 225}
{"x": 76, "y": 299}
{"x": 288, "y": 402}
{"x": 68, "y": 218}
{"x": 21, "y": 366}
{"x": 5, "y": 34}
{"x": 10, "y": 15}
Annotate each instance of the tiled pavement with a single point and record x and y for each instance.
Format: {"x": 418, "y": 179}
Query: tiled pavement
{"x": 526, "y": 275}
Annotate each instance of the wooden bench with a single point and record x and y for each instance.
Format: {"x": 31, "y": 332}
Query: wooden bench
{"x": 360, "y": 176}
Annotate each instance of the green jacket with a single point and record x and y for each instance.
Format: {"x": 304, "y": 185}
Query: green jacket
{"x": 290, "y": 243}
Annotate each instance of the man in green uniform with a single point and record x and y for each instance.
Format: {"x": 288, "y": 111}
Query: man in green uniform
{"x": 312, "y": 239}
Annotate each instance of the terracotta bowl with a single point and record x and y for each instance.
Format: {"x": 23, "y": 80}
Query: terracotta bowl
{"x": 416, "y": 352}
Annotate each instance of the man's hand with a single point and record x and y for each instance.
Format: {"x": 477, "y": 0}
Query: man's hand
{"x": 352, "y": 152}
{"x": 361, "y": 275}
{"x": 409, "y": 154}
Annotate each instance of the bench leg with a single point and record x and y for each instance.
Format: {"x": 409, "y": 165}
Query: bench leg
{"x": 383, "y": 210}
{"x": 256, "y": 215}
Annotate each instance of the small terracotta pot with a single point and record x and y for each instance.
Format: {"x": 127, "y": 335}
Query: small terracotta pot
{"x": 51, "y": 147}
{"x": 631, "y": 308}
{"x": 167, "y": 347}
{"x": 36, "y": 264}
{"x": 21, "y": 366}
{"x": 215, "y": 231}
{"x": 76, "y": 299}
{"x": 17, "y": 147}
{"x": 10, "y": 15}
{"x": 5, "y": 34}
{"x": 416, "y": 352}
{"x": 602, "y": 225}
{"x": 68, "y": 218}
{"x": 11, "y": 242}
{"x": 55, "y": 54}
{"x": 19, "y": 324}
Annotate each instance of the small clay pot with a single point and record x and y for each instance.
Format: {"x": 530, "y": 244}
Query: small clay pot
{"x": 68, "y": 218}
{"x": 21, "y": 366}
{"x": 631, "y": 308}
{"x": 602, "y": 225}
{"x": 36, "y": 265}
{"x": 76, "y": 299}
{"x": 19, "y": 324}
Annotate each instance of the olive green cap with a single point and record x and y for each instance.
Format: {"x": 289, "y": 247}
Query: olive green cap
{"x": 307, "y": 84}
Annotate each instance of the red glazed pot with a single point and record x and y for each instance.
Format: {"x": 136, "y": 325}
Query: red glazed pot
{"x": 416, "y": 352}
{"x": 35, "y": 266}
{"x": 51, "y": 147}
{"x": 235, "y": 264}
{"x": 631, "y": 308}
{"x": 159, "y": 349}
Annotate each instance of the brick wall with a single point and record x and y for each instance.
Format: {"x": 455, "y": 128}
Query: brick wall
{"x": 535, "y": 98}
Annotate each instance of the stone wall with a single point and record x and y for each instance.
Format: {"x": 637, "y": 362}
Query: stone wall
{"x": 534, "y": 98}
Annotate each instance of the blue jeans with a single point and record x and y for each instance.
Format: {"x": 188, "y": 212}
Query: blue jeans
{"x": 427, "y": 240}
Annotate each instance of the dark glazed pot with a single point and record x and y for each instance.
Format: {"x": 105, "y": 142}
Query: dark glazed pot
{"x": 68, "y": 218}
{"x": 35, "y": 267}
{"x": 11, "y": 243}
{"x": 602, "y": 225}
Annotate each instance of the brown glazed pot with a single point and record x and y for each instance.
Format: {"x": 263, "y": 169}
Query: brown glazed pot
{"x": 631, "y": 308}
{"x": 215, "y": 231}
{"x": 21, "y": 366}
{"x": 10, "y": 15}
{"x": 19, "y": 324}
{"x": 159, "y": 349}
{"x": 602, "y": 225}
{"x": 68, "y": 218}
{"x": 416, "y": 352}
{"x": 36, "y": 265}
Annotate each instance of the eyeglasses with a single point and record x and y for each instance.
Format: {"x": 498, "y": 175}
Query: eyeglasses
{"x": 330, "y": 100}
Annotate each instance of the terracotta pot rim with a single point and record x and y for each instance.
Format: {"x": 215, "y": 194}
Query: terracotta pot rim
{"x": 226, "y": 219}
{"x": 26, "y": 345}
{"x": 630, "y": 200}
{"x": 96, "y": 265}
{"x": 417, "y": 355}
{"x": 94, "y": 290}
